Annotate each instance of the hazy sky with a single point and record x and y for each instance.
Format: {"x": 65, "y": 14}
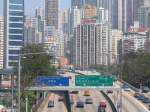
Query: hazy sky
{"x": 30, "y": 5}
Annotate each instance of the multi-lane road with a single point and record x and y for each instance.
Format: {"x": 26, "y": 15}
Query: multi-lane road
{"x": 58, "y": 105}
{"x": 129, "y": 103}
{"x": 96, "y": 96}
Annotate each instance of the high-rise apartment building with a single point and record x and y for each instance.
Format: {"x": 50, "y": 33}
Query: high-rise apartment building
{"x": 92, "y": 43}
{"x": 51, "y": 13}
{"x": 76, "y": 16}
{"x": 103, "y": 43}
{"x": 116, "y": 37}
{"x": 29, "y": 30}
{"x": 89, "y": 11}
{"x": 144, "y": 17}
{"x": 84, "y": 49}
{"x": 1, "y": 41}
{"x": 14, "y": 31}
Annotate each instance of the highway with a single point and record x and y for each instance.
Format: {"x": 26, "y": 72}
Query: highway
{"x": 129, "y": 103}
{"x": 96, "y": 97}
{"x": 57, "y": 105}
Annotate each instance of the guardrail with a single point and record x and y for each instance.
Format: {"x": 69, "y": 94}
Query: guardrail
{"x": 110, "y": 102}
{"x": 132, "y": 87}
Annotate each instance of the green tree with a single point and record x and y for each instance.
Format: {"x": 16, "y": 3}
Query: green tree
{"x": 136, "y": 68}
{"x": 35, "y": 64}
{"x": 32, "y": 66}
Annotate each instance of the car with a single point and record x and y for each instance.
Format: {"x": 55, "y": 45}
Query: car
{"x": 126, "y": 87}
{"x": 141, "y": 97}
{"x": 74, "y": 92}
{"x": 146, "y": 100}
{"x": 102, "y": 104}
{"x": 70, "y": 77}
{"x": 80, "y": 104}
{"x": 51, "y": 103}
{"x": 60, "y": 98}
{"x": 149, "y": 107}
{"x": 86, "y": 93}
{"x": 136, "y": 94}
{"x": 110, "y": 91}
{"x": 145, "y": 89}
{"x": 88, "y": 101}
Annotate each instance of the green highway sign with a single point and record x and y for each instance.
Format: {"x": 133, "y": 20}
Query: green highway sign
{"x": 93, "y": 80}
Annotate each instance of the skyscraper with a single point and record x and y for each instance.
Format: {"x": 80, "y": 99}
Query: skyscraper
{"x": 92, "y": 43}
{"x": 89, "y": 11}
{"x": 81, "y": 3}
{"x": 78, "y": 3}
{"x": 1, "y": 41}
{"x": 112, "y": 7}
{"x": 14, "y": 31}
{"x": 90, "y": 2}
{"x": 127, "y": 13}
{"x": 51, "y": 13}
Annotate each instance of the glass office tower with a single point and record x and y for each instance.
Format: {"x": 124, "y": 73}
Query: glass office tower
{"x": 14, "y": 31}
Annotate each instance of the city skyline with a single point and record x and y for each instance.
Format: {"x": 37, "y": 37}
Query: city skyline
{"x": 30, "y": 10}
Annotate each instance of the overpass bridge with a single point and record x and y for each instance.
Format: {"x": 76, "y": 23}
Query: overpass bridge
{"x": 72, "y": 88}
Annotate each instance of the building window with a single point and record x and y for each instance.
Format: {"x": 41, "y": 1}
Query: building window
{"x": 15, "y": 43}
{"x": 16, "y": 1}
{"x": 16, "y": 25}
{"x": 16, "y": 37}
{"x": 16, "y": 13}
{"x": 13, "y": 57}
{"x": 14, "y": 51}
{"x": 17, "y": 19}
{"x": 16, "y": 31}
{"x": 16, "y": 7}
{"x": 12, "y": 63}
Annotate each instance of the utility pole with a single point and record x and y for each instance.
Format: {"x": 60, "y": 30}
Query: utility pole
{"x": 19, "y": 83}
{"x": 26, "y": 104}
{"x": 12, "y": 92}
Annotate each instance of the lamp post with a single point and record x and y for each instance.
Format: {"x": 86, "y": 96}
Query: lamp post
{"x": 19, "y": 72}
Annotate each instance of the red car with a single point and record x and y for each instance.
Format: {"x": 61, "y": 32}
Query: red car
{"x": 102, "y": 106}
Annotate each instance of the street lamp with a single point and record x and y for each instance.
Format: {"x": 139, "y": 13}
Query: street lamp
{"x": 19, "y": 72}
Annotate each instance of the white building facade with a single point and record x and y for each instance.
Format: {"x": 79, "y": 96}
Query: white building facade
{"x": 1, "y": 41}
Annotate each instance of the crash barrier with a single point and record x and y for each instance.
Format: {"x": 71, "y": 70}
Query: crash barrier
{"x": 110, "y": 102}
{"x": 67, "y": 101}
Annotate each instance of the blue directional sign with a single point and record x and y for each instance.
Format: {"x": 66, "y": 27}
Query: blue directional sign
{"x": 52, "y": 81}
